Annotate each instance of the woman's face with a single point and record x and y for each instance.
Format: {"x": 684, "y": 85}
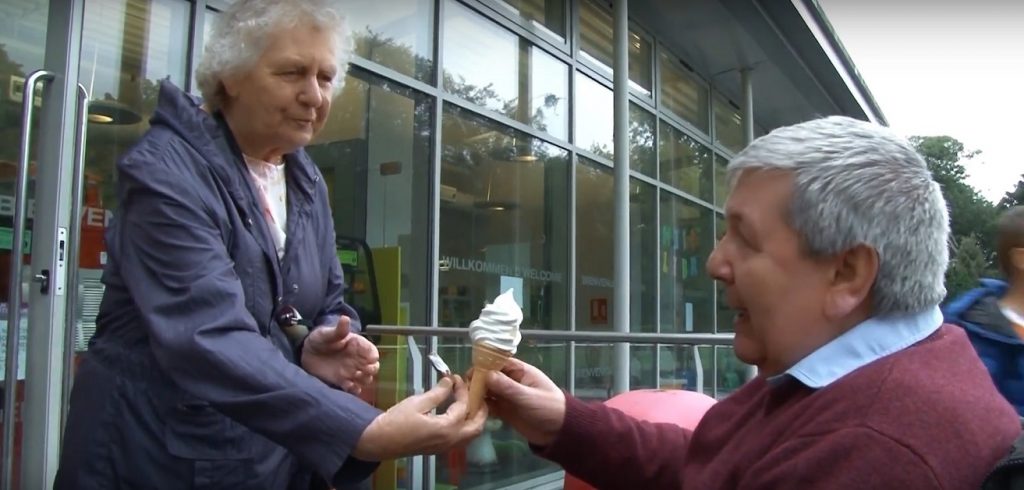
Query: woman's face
{"x": 284, "y": 99}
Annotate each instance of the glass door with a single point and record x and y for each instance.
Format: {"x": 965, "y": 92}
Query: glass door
{"x": 104, "y": 61}
{"x": 22, "y": 43}
{"x": 128, "y": 47}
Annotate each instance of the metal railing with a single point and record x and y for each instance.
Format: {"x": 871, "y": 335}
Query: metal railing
{"x": 566, "y": 336}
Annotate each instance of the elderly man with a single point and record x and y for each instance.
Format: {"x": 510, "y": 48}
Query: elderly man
{"x": 833, "y": 258}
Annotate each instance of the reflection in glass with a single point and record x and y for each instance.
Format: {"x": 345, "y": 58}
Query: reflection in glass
{"x": 22, "y": 46}
{"x": 687, "y": 292}
{"x": 685, "y": 367}
{"x": 641, "y": 140}
{"x": 595, "y": 286}
{"x": 500, "y": 457}
{"x": 496, "y": 69}
{"x": 374, "y": 154}
{"x": 128, "y": 46}
{"x": 399, "y": 37}
{"x": 685, "y": 163}
{"x": 721, "y": 180}
{"x": 546, "y": 16}
{"x": 504, "y": 222}
{"x": 728, "y": 125}
{"x": 594, "y": 371}
{"x": 596, "y": 121}
{"x": 597, "y": 46}
{"x": 683, "y": 93}
{"x": 643, "y": 372}
{"x": 725, "y": 316}
{"x": 731, "y": 372}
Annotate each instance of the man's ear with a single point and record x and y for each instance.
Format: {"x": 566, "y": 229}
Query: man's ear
{"x": 853, "y": 277}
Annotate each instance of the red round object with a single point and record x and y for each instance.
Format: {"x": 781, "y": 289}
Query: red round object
{"x": 680, "y": 407}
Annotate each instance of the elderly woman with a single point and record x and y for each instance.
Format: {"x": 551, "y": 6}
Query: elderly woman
{"x": 200, "y": 374}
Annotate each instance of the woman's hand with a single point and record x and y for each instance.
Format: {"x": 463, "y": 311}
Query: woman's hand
{"x": 348, "y": 361}
{"x": 410, "y": 428}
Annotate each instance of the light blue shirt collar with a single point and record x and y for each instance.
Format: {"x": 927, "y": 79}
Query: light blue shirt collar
{"x": 869, "y": 341}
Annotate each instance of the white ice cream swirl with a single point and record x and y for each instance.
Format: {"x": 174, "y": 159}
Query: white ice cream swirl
{"x": 498, "y": 324}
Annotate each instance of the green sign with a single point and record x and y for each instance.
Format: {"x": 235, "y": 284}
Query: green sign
{"x": 348, "y": 257}
{"x": 7, "y": 238}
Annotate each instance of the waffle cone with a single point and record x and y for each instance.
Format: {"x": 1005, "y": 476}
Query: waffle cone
{"x": 485, "y": 358}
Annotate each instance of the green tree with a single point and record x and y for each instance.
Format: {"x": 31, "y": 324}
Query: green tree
{"x": 972, "y": 217}
{"x": 1014, "y": 197}
{"x": 967, "y": 264}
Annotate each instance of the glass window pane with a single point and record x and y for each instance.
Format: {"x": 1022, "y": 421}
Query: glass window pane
{"x": 547, "y": 16}
{"x": 595, "y": 281}
{"x": 721, "y": 180}
{"x": 399, "y": 37}
{"x": 725, "y": 316}
{"x": 685, "y": 367}
{"x": 597, "y": 46}
{"x": 730, "y": 372}
{"x": 499, "y": 457}
{"x": 641, "y": 60}
{"x": 643, "y": 372}
{"x": 685, "y": 163}
{"x": 682, "y": 93}
{"x": 643, "y": 260}
{"x": 728, "y": 125}
{"x": 493, "y": 68}
{"x": 128, "y": 47}
{"x": 504, "y": 222}
{"x": 594, "y": 130}
{"x": 594, "y": 371}
{"x": 22, "y": 51}
{"x": 687, "y": 292}
{"x": 641, "y": 140}
{"x": 374, "y": 153}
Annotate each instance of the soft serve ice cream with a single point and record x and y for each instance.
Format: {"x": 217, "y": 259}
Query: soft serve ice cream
{"x": 495, "y": 335}
{"x": 498, "y": 324}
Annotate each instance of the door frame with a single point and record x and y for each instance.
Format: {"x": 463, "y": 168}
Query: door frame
{"x": 56, "y": 156}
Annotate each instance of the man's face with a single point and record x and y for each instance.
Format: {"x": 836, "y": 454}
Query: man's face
{"x": 776, "y": 288}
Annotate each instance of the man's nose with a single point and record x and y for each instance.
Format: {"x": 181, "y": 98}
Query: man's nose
{"x": 718, "y": 267}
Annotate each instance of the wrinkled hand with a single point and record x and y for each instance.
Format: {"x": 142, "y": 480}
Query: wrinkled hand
{"x": 526, "y": 399}
{"x": 409, "y": 428}
{"x": 343, "y": 360}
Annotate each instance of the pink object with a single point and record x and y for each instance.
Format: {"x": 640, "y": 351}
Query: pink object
{"x": 679, "y": 407}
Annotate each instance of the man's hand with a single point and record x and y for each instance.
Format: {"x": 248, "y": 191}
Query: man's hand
{"x": 528, "y": 400}
{"x": 343, "y": 360}
{"x": 409, "y": 428}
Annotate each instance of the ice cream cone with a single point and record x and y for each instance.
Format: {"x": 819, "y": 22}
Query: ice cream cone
{"x": 486, "y": 358}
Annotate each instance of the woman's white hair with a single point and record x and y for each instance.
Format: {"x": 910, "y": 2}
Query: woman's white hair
{"x": 241, "y": 32}
{"x": 860, "y": 183}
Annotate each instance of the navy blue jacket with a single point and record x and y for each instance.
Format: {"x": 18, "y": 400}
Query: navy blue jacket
{"x": 994, "y": 338}
{"x": 188, "y": 382}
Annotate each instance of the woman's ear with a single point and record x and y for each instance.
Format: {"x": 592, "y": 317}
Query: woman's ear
{"x": 231, "y": 85}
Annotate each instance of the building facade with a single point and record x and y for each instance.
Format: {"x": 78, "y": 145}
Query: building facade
{"x": 472, "y": 149}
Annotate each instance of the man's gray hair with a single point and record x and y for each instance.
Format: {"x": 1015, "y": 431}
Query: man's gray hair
{"x": 240, "y": 34}
{"x": 859, "y": 183}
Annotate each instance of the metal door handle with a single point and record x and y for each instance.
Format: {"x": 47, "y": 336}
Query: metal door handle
{"x": 17, "y": 252}
{"x": 74, "y": 245}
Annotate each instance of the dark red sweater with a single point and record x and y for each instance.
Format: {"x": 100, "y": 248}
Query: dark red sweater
{"x": 927, "y": 417}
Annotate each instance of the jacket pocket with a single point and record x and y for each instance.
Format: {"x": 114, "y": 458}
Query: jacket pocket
{"x": 195, "y": 430}
{"x": 217, "y": 447}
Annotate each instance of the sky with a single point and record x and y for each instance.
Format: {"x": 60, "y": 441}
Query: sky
{"x": 945, "y": 67}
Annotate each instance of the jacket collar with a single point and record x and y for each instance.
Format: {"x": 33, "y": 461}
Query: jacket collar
{"x": 210, "y": 135}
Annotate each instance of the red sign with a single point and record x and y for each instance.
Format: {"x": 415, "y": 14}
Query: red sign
{"x": 599, "y": 311}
